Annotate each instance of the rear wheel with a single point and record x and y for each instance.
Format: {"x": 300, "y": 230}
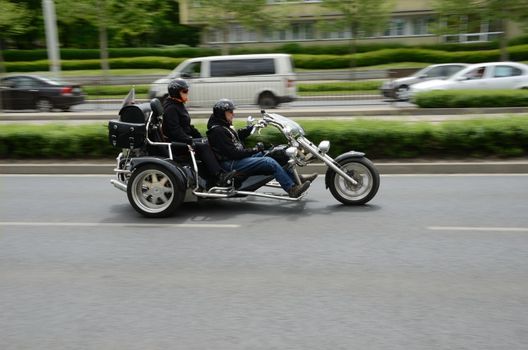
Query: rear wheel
{"x": 44, "y": 105}
{"x": 267, "y": 100}
{"x": 363, "y": 172}
{"x": 154, "y": 191}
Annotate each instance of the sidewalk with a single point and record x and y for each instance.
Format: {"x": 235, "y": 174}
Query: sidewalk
{"x": 105, "y": 167}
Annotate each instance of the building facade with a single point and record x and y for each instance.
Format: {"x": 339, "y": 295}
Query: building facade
{"x": 410, "y": 22}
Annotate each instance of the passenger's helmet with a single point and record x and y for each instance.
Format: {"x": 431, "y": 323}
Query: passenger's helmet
{"x": 177, "y": 85}
{"x": 223, "y": 105}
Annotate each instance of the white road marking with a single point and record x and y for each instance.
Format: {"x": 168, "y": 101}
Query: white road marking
{"x": 456, "y": 175}
{"x": 470, "y": 228}
{"x": 114, "y": 224}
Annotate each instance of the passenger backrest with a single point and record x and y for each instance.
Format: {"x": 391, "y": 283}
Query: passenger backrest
{"x": 137, "y": 113}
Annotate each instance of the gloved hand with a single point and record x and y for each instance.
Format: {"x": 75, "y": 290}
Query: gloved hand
{"x": 260, "y": 146}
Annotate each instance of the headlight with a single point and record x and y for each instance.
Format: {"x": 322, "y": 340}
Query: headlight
{"x": 324, "y": 146}
{"x": 291, "y": 152}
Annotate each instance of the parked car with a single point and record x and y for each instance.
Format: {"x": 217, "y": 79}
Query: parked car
{"x": 481, "y": 76}
{"x": 263, "y": 79}
{"x": 399, "y": 88}
{"x": 36, "y": 92}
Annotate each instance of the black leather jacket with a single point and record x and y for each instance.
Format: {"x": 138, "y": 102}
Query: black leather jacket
{"x": 226, "y": 142}
{"x": 177, "y": 122}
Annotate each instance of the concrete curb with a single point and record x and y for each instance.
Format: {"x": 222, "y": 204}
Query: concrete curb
{"x": 457, "y": 167}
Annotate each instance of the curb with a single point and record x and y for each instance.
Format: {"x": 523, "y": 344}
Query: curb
{"x": 385, "y": 168}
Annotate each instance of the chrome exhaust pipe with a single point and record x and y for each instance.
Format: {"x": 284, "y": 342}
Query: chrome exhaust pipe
{"x": 119, "y": 185}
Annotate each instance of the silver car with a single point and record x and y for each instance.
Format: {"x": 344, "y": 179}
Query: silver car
{"x": 399, "y": 88}
{"x": 480, "y": 76}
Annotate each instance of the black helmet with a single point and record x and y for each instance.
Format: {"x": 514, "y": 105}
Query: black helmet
{"x": 223, "y": 105}
{"x": 177, "y": 85}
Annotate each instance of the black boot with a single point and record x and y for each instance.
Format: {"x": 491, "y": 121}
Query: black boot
{"x": 224, "y": 179}
{"x": 297, "y": 190}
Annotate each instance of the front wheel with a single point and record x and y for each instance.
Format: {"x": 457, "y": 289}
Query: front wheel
{"x": 360, "y": 169}
{"x": 402, "y": 93}
{"x": 154, "y": 191}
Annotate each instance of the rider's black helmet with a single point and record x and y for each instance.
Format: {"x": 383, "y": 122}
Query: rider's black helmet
{"x": 222, "y": 106}
{"x": 177, "y": 85}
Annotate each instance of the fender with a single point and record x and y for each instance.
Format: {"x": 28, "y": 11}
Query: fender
{"x": 167, "y": 164}
{"x": 349, "y": 154}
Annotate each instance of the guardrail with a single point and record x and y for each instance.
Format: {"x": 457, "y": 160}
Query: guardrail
{"x": 341, "y": 75}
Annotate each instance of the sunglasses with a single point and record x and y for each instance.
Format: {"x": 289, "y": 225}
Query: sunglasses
{"x": 185, "y": 91}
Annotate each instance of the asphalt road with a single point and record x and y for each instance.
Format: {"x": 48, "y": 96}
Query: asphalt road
{"x": 434, "y": 262}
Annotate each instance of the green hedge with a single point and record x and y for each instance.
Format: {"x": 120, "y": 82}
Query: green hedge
{"x": 318, "y": 61}
{"x": 472, "y": 98}
{"x": 340, "y": 86}
{"x": 501, "y": 137}
{"x": 291, "y": 48}
{"x": 115, "y": 63}
{"x": 84, "y": 54}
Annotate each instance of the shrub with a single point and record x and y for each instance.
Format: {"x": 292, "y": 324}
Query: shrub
{"x": 116, "y": 63}
{"x": 84, "y": 54}
{"x": 472, "y": 98}
{"x": 501, "y": 137}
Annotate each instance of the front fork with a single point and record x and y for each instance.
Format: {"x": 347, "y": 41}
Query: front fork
{"x": 329, "y": 161}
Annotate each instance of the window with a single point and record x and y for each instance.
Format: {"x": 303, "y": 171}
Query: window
{"x": 303, "y": 31}
{"x": 25, "y": 83}
{"x": 506, "y": 71}
{"x": 233, "y": 68}
{"x": 450, "y": 70}
{"x": 435, "y": 72}
{"x": 9, "y": 82}
{"x": 421, "y": 25}
{"x": 192, "y": 70}
{"x": 476, "y": 73}
{"x": 397, "y": 28}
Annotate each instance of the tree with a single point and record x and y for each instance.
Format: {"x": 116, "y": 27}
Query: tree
{"x": 14, "y": 19}
{"x": 128, "y": 20}
{"x": 458, "y": 16}
{"x": 221, "y": 14}
{"x": 360, "y": 17}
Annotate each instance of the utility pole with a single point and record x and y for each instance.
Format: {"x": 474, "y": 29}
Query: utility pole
{"x": 52, "y": 41}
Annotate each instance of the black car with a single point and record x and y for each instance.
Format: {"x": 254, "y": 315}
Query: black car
{"x": 35, "y": 92}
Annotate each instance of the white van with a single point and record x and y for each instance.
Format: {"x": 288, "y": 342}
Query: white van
{"x": 265, "y": 79}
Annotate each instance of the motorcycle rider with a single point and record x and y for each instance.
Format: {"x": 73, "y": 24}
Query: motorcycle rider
{"x": 177, "y": 127}
{"x": 227, "y": 143}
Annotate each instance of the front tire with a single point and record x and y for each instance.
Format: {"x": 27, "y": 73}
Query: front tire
{"x": 360, "y": 169}
{"x": 402, "y": 93}
{"x": 154, "y": 192}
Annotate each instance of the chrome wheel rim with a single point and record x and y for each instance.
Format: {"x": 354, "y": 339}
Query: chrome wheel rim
{"x": 153, "y": 191}
{"x": 402, "y": 93}
{"x": 364, "y": 179}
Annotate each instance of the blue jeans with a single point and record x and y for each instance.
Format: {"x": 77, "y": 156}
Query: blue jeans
{"x": 257, "y": 164}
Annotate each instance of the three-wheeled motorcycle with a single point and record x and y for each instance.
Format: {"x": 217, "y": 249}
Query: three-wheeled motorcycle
{"x": 158, "y": 176}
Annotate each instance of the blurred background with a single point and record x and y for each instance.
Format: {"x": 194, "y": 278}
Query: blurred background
{"x": 343, "y": 52}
